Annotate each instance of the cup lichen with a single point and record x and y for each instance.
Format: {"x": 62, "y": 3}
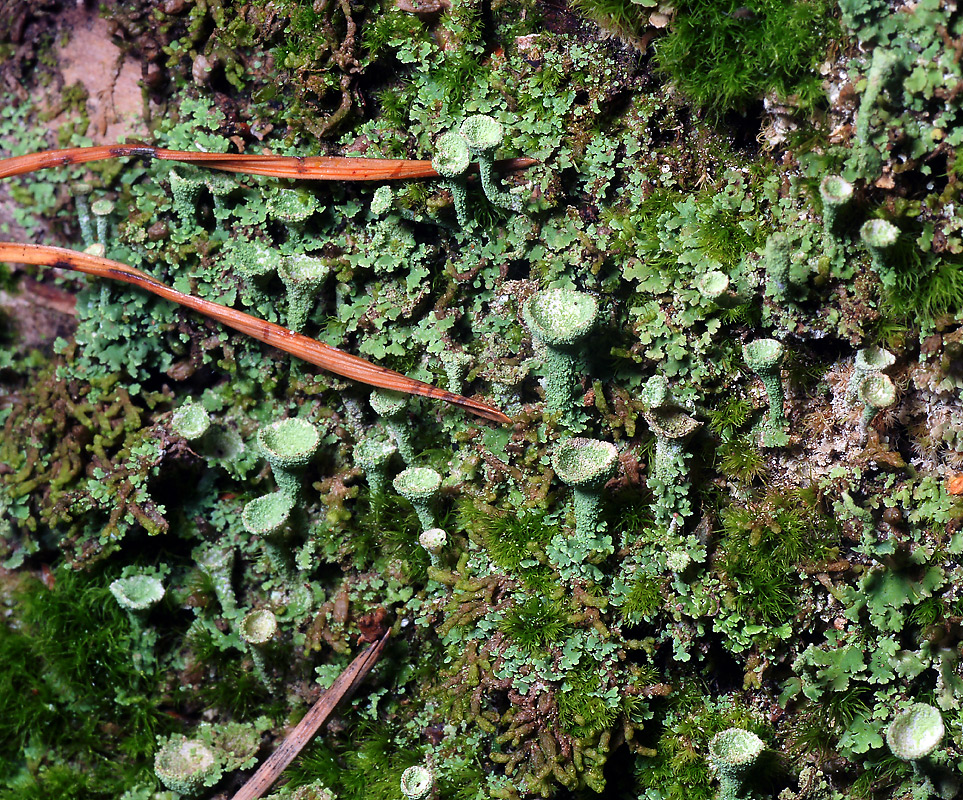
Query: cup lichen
{"x": 289, "y": 445}
{"x": 585, "y": 466}
{"x": 764, "y": 356}
{"x": 420, "y": 486}
{"x": 732, "y": 754}
{"x": 559, "y": 319}
{"x": 484, "y": 134}
{"x": 186, "y": 766}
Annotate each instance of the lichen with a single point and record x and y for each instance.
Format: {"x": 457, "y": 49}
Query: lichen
{"x": 722, "y": 308}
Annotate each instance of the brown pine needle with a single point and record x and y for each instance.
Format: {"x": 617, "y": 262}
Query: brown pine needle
{"x": 303, "y": 347}
{"x": 343, "y": 686}
{"x": 318, "y": 168}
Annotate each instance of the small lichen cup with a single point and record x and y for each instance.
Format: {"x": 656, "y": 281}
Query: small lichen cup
{"x": 391, "y": 406}
{"x": 450, "y": 160}
{"x": 585, "y": 465}
{"x": 669, "y": 479}
{"x": 186, "y": 185}
{"x": 102, "y": 209}
{"x": 191, "y": 421}
{"x": 915, "y": 732}
{"x": 655, "y": 392}
{"x": 257, "y": 628}
{"x": 214, "y": 443}
{"x": 267, "y": 517}
{"x": 877, "y": 391}
{"x": 292, "y": 208}
{"x": 913, "y": 736}
{"x": 303, "y": 278}
{"x": 712, "y": 285}
{"x": 879, "y": 236}
{"x": 186, "y": 765}
{"x": 420, "y": 486}
{"x": 381, "y": 201}
{"x": 373, "y": 455}
{"x": 484, "y": 134}
{"x": 217, "y": 562}
{"x": 417, "y": 782}
{"x": 433, "y": 541}
{"x": 289, "y": 445}
{"x": 835, "y": 192}
{"x": 777, "y": 262}
{"x": 559, "y": 319}
{"x": 732, "y": 753}
{"x": 763, "y": 356}
{"x": 868, "y": 360}
{"x": 252, "y": 259}
{"x": 137, "y": 595}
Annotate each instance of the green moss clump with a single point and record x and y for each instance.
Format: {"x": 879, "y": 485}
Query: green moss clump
{"x": 71, "y": 692}
{"x": 762, "y": 546}
{"x": 536, "y": 623}
{"x": 625, "y": 19}
{"x": 725, "y": 56}
{"x": 515, "y": 542}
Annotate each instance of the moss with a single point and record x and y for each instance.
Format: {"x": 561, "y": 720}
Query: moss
{"x": 70, "y": 689}
{"x": 927, "y": 290}
{"x": 512, "y": 541}
{"x": 582, "y": 710}
{"x": 232, "y": 687}
{"x": 644, "y": 598}
{"x": 740, "y": 458}
{"x": 507, "y": 685}
{"x": 724, "y": 57}
{"x": 679, "y": 768}
{"x": 536, "y": 623}
{"x": 368, "y": 764}
{"x": 622, "y": 18}
{"x": 762, "y": 546}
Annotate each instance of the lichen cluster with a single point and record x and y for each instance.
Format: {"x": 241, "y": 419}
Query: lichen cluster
{"x": 716, "y": 553}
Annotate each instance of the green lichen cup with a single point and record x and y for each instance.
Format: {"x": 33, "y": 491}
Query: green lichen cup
{"x": 559, "y": 319}
{"x": 877, "y": 391}
{"x": 419, "y": 486}
{"x": 373, "y": 455}
{"x": 873, "y": 359}
{"x": 258, "y": 627}
{"x": 137, "y": 592}
{"x": 267, "y": 515}
{"x": 303, "y": 278}
{"x": 391, "y": 406}
{"x": 915, "y": 732}
{"x": 417, "y": 782}
{"x": 251, "y": 259}
{"x": 835, "y": 191}
{"x": 732, "y": 753}
{"x": 482, "y": 133}
{"x": 186, "y": 765}
{"x": 585, "y": 464}
{"x": 289, "y": 445}
{"x": 879, "y": 234}
{"x": 191, "y": 421}
{"x": 292, "y": 206}
{"x": 452, "y": 156}
{"x": 713, "y": 284}
{"x": 763, "y": 355}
